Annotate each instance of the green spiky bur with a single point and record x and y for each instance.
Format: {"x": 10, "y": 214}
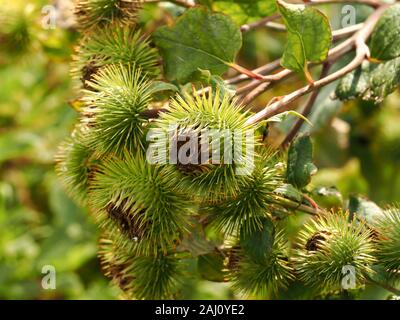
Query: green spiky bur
{"x": 250, "y": 278}
{"x": 113, "y": 109}
{"x": 113, "y": 46}
{"x": 211, "y": 182}
{"x": 15, "y": 31}
{"x": 132, "y": 198}
{"x": 75, "y": 164}
{"x": 140, "y": 277}
{"x": 329, "y": 243}
{"x": 254, "y": 199}
{"x": 103, "y": 13}
{"x": 388, "y": 242}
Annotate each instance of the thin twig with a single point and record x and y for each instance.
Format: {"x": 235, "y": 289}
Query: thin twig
{"x": 336, "y": 34}
{"x": 265, "y": 69}
{"x": 255, "y": 88}
{"x": 298, "y": 206}
{"x": 276, "y": 26}
{"x": 307, "y": 109}
{"x": 372, "y": 3}
{"x": 182, "y": 3}
{"x": 344, "y": 32}
{"x": 259, "y": 23}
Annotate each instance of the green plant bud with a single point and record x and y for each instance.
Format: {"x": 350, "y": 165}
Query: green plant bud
{"x": 329, "y": 243}
{"x": 261, "y": 278}
{"x": 113, "y": 46}
{"x": 103, "y": 13}
{"x": 113, "y": 110}
{"x": 140, "y": 277}
{"x": 388, "y": 229}
{"x": 199, "y": 116}
{"x": 254, "y": 200}
{"x": 137, "y": 200}
{"x": 76, "y": 164}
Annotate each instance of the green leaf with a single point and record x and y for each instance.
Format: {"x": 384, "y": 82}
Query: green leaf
{"x": 385, "y": 39}
{"x": 211, "y": 266}
{"x": 284, "y": 115}
{"x": 371, "y": 82}
{"x": 328, "y": 197}
{"x": 290, "y": 192}
{"x": 365, "y": 209}
{"x": 300, "y": 166}
{"x": 384, "y": 79}
{"x": 199, "y": 39}
{"x": 162, "y": 90}
{"x": 258, "y": 244}
{"x": 244, "y": 11}
{"x": 354, "y": 84}
{"x": 309, "y": 36}
{"x": 158, "y": 86}
{"x": 217, "y": 83}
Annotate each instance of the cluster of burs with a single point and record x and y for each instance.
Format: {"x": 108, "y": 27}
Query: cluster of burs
{"x": 164, "y": 225}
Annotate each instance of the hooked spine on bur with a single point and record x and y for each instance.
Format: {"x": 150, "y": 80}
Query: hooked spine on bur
{"x": 105, "y": 13}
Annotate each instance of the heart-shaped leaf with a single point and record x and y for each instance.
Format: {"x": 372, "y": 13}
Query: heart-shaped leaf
{"x": 309, "y": 36}
{"x": 200, "y": 39}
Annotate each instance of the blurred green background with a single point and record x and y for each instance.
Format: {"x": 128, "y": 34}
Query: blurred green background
{"x": 358, "y": 151}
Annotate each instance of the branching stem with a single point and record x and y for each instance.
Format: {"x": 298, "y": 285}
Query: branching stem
{"x": 182, "y": 3}
{"x": 255, "y": 88}
{"x": 362, "y": 51}
{"x": 297, "y": 206}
